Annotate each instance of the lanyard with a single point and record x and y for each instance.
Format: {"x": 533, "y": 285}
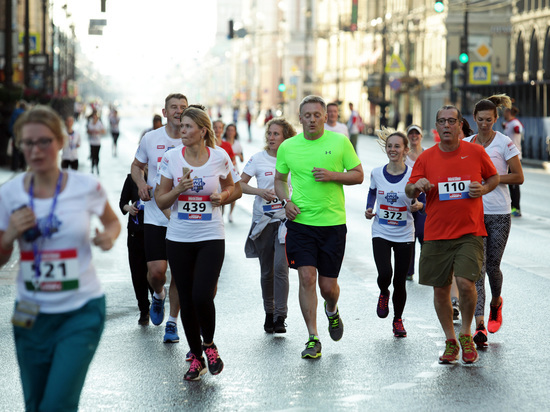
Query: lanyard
{"x": 46, "y": 231}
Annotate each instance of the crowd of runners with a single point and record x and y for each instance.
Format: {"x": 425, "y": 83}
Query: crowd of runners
{"x": 452, "y": 197}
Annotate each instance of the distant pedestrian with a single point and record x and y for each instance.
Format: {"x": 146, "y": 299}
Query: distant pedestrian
{"x": 232, "y": 137}
{"x": 332, "y": 123}
{"x": 95, "y": 131}
{"x": 268, "y": 116}
{"x": 69, "y": 157}
{"x": 249, "y": 124}
{"x": 17, "y": 156}
{"x": 393, "y": 226}
{"x": 60, "y": 305}
{"x": 266, "y": 239}
{"x": 514, "y": 129}
{"x": 157, "y": 123}
{"x": 455, "y": 175}
{"x": 114, "y": 121}
{"x": 131, "y": 203}
{"x": 353, "y": 126}
{"x": 320, "y": 162}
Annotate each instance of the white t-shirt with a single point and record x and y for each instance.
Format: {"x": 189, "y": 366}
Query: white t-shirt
{"x": 262, "y": 167}
{"x": 394, "y": 220}
{"x": 192, "y": 217}
{"x": 510, "y": 131}
{"x": 501, "y": 149}
{"x": 237, "y": 149}
{"x": 150, "y": 150}
{"x": 338, "y": 128}
{"x": 67, "y": 254}
{"x": 70, "y": 149}
{"x": 409, "y": 162}
{"x": 95, "y": 130}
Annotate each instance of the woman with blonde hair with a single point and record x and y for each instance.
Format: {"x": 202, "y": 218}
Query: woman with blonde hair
{"x": 191, "y": 177}
{"x": 497, "y": 209}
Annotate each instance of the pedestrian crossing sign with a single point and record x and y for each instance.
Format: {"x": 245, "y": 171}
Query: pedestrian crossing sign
{"x": 395, "y": 65}
{"x": 480, "y": 73}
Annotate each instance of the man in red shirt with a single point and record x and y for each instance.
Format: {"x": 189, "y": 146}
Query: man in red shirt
{"x": 454, "y": 175}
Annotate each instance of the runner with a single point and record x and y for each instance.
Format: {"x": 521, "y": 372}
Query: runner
{"x": 60, "y": 304}
{"x": 266, "y": 237}
{"x": 414, "y": 134}
{"x": 451, "y": 174}
{"x": 514, "y": 129}
{"x": 190, "y": 185}
{"x": 149, "y": 153}
{"x": 497, "y": 209}
{"x": 321, "y": 162}
{"x": 393, "y": 226}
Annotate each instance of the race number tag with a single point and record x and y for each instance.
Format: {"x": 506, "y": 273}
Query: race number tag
{"x": 454, "y": 189}
{"x": 271, "y": 205}
{"x": 58, "y": 270}
{"x": 393, "y": 216}
{"x": 194, "y": 207}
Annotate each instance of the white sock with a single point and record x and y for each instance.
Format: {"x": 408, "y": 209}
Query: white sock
{"x": 172, "y": 319}
{"x": 160, "y": 295}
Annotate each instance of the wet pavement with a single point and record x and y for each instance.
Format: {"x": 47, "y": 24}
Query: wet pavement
{"x": 368, "y": 369}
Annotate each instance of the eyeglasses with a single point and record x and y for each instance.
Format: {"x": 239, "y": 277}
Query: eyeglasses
{"x": 451, "y": 120}
{"x": 42, "y": 143}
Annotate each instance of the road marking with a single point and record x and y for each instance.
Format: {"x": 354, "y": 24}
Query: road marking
{"x": 426, "y": 375}
{"x": 400, "y": 386}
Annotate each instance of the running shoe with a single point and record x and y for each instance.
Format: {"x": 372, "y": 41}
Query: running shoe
{"x": 398, "y": 329}
{"x": 516, "y": 212}
{"x": 144, "y": 318}
{"x": 171, "y": 333}
{"x": 189, "y": 356}
{"x": 495, "y": 317}
{"x": 335, "y": 325}
{"x": 279, "y": 325}
{"x": 268, "y": 324}
{"x": 480, "y": 337}
{"x": 382, "y": 309}
{"x": 410, "y": 277}
{"x": 215, "y": 363}
{"x": 313, "y": 348}
{"x": 456, "y": 308}
{"x": 469, "y": 352}
{"x": 196, "y": 369}
{"x": 450, "y": 355}
{"x": 157, "y": 309}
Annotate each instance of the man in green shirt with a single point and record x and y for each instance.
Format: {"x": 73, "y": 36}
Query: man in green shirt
{"x": 320, "y": 162}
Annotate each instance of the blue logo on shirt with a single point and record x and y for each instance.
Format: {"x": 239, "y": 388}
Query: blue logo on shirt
{"x": 392, "y": 197}
{"x": 198, "y": 184}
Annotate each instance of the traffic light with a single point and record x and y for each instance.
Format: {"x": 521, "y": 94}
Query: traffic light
{"x": 231, "y": 33}
{"x": 439, "y": 7}
{"x": 463, "y": 57}
{"x": 282, "y": 85}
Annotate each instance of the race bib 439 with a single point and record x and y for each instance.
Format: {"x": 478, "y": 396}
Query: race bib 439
{"x": 192, "y": 207}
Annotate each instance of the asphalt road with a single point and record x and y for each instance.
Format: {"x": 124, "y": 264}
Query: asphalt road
{"x": 368, "y": 369}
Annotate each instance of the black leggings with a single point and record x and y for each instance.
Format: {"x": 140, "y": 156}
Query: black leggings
{"x": 402, "y": 257}
{"x": 138, "y": 268}
{"x": 196, "y": 268}
{"x": 94, "y": 154}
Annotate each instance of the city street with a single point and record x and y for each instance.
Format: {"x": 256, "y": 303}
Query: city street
{"x": 368, "y": 369}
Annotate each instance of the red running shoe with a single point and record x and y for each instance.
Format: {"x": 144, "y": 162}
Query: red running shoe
{"x": 382, "y": 308}
{"x": 480, "y": 337}
{"x": 398, "y": 329}
{"x": 495, "y": 318}
{"x": 469, "y": 352}
{"x": 450, "y": 355}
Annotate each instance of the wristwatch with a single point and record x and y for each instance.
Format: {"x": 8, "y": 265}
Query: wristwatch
{"x": 284, "y": 202}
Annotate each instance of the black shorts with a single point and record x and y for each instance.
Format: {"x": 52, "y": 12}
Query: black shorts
{"x": 320, "y": 246}
{"x": 155, "y": 242}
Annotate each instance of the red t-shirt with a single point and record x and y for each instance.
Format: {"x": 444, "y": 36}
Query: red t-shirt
{"x": 227, "y": 147}
{"x": 451, "y": 213}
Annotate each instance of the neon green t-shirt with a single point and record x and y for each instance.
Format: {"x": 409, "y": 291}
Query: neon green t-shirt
{"x": 320, "y": 203}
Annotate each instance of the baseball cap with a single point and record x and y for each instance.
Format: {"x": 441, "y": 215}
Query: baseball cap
{"x": 414, "y": 127}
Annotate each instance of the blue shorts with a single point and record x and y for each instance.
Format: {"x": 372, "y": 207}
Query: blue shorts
{"x": 320, "y": 246}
